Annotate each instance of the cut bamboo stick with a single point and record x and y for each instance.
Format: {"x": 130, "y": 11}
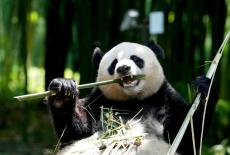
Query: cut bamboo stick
{"x": 83, "y": 86}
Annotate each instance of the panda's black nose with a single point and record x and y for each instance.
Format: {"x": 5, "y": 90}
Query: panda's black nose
{"x": 123, "y": 70}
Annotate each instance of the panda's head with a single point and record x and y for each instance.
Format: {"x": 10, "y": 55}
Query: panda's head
{"x": 128, "y": 59}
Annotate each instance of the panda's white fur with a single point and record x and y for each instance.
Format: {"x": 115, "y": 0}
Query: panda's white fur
{"x": 122, "y": 52}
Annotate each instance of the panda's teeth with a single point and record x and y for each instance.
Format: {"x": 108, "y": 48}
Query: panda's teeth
{"x": 130, "y": 84}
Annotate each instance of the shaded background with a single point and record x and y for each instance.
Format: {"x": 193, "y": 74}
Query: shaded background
{"x": 41, "y": 40}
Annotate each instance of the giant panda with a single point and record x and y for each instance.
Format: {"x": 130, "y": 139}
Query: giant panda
{"x": 78, "y": 121}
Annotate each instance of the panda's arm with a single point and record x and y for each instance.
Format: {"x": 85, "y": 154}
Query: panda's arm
{"x": 70, "y": 120}
{"x": 176, "y": 114}
{"x": 178, "y": 111}
{"x": 186, "y": 145}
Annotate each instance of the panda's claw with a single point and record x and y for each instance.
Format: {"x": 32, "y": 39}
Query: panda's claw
{"x": 69, "y": 93}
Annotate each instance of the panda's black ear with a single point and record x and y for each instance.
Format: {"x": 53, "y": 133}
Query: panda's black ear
{"x": 157, "y": 49}
{"x": 97, "y": 56}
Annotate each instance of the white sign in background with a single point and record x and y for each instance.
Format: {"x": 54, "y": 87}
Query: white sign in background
{"x": 156, "y": 22}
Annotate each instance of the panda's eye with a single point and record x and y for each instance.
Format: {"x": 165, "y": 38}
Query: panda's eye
{"x": 137, "y": 60}
{"x": 112, "y": 67}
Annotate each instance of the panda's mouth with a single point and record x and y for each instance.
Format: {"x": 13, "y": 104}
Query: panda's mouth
{"x": 128, "y": 81}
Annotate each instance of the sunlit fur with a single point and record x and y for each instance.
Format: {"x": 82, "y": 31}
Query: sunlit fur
{"x": 122, "y": 52}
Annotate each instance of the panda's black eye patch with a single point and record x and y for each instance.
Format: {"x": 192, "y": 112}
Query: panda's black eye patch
{"x": 137, "y": 60}
{"x": 112, "y": 67}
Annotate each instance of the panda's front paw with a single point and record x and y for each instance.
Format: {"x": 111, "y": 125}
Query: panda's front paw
{"x": 66, "y": 96}
{"x": 202, "y": 83}
{"x": 64, "y": 87}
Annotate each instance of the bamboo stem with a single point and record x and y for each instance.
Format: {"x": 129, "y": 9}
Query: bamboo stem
{"x": 210, "y": 74}
{"x": 35, "y": 96}
{"x": 83, "y": 86}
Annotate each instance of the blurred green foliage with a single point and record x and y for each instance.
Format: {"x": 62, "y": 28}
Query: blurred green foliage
{"x": 193, "y": 32}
